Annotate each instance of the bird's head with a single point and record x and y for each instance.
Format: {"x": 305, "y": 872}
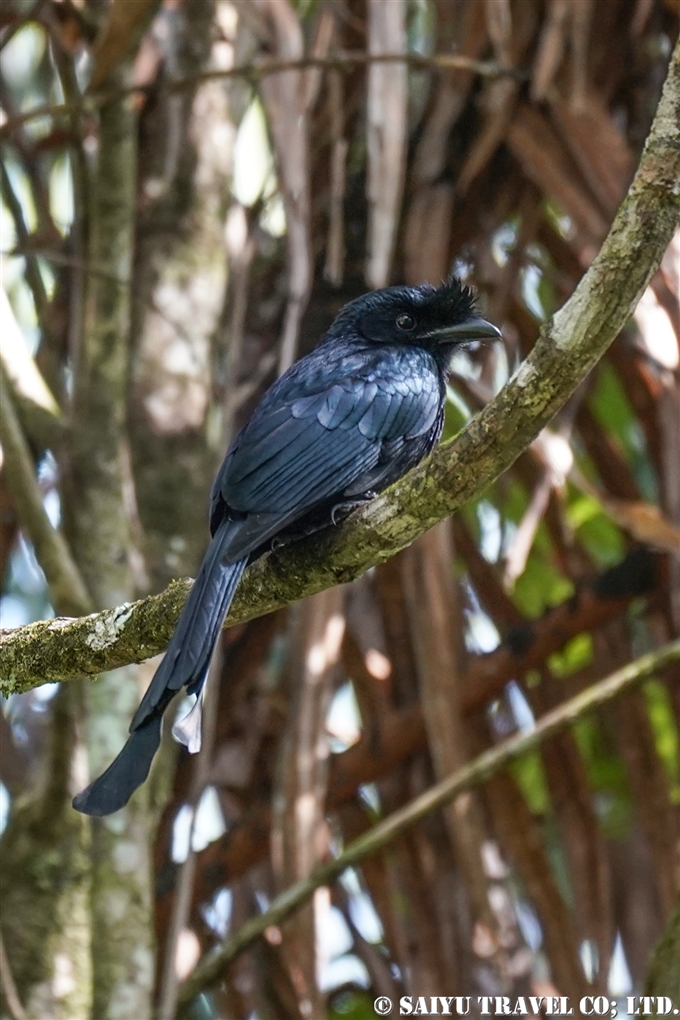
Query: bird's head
{"x": 426, "y": 316}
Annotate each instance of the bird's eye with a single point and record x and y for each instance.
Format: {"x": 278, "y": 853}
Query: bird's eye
{"x": 406, "y": 322}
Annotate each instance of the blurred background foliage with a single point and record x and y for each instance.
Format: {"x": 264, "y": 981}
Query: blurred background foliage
{"x": 220, "y": 219}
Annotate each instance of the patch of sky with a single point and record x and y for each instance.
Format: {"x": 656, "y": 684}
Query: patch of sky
{"x": 463, "y": 365}
{"x": 53, "y": 507}
{"x": 21, "y": 57}
{"x": 529, "y": 925}
{"x": 619, "y": 980}
{"x": 48, "y": 470}
{"x": 4, "y": 807}
{"x": 21, "y": 298}
{"x": 558, "y": 220}
{"x": 361, "y": 908}
{"x": 253, "y": 161}
{"x": 26, "y": 571}
{"x": 181, "y": 834}
{"x": 501, "y": 720}
{"x": 26, "y": 597}
{"x": 503, "y": 241}
{"x": 589, "y": 958}
{"x": 19, "y": 731}
{"x": 370, "y": 796}
{"x": 501, "y": 368}
{"x": 22, "y": 192}
{"x": 8, "y": 236}
{"x": 455, "y": 398}
{"x": 538, "y": 256}
{"x": 345, "y": 970}
{"x": 491, "y": 534}
{"x": 208, "y": 826}
{"x": 509, "y": 532}
{"x": 48, "y": 276}
{"x": 61, "y": 193}
{"x": 217, "y": 913}
{"x": 343, "y": 720}
{"x": 530, "y": 282}
{"x": 463, "y": 267}
{"x": 273, "y": 216}
{"x": 334, "y": 933}
{"x": 520, "y": 707}
{"x": 262, "y": 900}
{"x": 481, "y": 634}
{"x": 83, "y": 68}
{"x": 43, "y": 695}
{"x": 13, "y": 612}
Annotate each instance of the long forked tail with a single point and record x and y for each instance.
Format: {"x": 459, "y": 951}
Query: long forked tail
{"x": 185, "y": 664}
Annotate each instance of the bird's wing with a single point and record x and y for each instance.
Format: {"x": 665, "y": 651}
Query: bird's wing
{"x": 313, "y": 439}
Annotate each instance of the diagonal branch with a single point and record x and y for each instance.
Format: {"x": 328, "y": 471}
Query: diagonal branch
{"x": 488, "y": 764}
{"x": 255, "y": 70}
{"x": 458, "y": 471}
{"x": 66, "y": 587}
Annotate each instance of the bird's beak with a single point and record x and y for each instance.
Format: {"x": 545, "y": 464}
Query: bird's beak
{"x": 472, "y": 329}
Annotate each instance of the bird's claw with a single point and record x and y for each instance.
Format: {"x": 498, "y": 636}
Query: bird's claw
{"x": 341, "y": 510}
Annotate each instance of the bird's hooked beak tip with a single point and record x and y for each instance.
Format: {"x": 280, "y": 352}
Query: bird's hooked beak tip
{"x": 475, "y": 328}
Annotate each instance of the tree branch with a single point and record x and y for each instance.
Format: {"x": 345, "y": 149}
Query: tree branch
{"x": 212, "y": 966}
{"x": 38, "y": 411}
{"x": 12, "y": 999}
{"x": 258, "y": 69}
{"x": 66, "y": 587}
{"x": 458, "y": 471}
{"x": 402, "y": 732}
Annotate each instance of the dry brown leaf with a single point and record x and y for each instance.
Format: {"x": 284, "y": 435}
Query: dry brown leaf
{"x": 657, "y": 335}
{"x": 546, "y": 163}
{"x": 646, "y": 523}
{"x": 581, "y": 14}
{"x": 598, "y": 146}
{"x": 499, "y": 26}
{"x": 550, "y": 48}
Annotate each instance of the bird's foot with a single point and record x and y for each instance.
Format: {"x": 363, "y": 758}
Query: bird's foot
{"x": 341, "y": 510}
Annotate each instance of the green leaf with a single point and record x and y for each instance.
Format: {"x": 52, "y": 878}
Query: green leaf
{"x": 529, "y": 775}
{"x": 576, "y": 654}
{"x": 665, "y": 732}
{"x": 540, "y": 587}
{"x": 611, "y": 407}
{"x": 352, "y": 1006}
{"x": 606, "y": 776}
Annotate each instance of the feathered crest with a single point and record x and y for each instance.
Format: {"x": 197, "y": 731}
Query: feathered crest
{"x": 452, "y": 301}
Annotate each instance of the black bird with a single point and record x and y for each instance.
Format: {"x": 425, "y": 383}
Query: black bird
{"x": 339, "y": 426}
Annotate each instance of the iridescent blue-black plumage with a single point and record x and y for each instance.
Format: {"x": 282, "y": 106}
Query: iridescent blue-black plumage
{"x": 339, "y": 426}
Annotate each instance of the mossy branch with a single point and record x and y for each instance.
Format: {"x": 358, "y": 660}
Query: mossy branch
{"x": 458, "y": 471}
{"x": 212, "y": 965}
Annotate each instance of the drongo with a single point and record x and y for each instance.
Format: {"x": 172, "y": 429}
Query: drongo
{"x": 339, "y": 426}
